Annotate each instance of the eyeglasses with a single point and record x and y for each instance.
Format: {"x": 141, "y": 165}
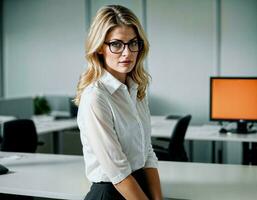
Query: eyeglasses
{"x": 118, "y": 46}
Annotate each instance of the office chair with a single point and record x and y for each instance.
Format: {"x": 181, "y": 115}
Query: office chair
{"x": 176, "y": 150}
{"x": 20, "y": 136}
{"x": 15, "y": 197}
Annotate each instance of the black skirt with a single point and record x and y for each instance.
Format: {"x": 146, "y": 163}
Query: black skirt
{"x": 107, "y": 191}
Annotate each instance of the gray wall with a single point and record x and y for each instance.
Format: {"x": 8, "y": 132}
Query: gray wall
{"x": 181, "y": 56}
{"x": 239, "y": 38}
{"x": 190, "y": 40}
{"x": 135, "y": 5}
{"x": 186, "y": 49}
{"x": 43, "y": 46}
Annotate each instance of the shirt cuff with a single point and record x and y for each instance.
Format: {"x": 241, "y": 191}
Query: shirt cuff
{"x": 121, "y": 176}
{"x": 151, "y": 164}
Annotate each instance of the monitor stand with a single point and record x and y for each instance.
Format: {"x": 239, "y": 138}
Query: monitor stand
{"x": 242, "y": 128}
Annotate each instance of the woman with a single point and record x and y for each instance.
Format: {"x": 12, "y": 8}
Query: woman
{"x": 113, "y": 115}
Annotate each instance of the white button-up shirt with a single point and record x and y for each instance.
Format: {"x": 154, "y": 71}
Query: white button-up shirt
{"x": 115, "y": 130}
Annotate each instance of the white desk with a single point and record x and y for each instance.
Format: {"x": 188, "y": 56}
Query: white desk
{"x": 162, "y": 127}
{"x": 44, "y": 175}
{"x": 208, "y": 181}
{"x": 62, "y": 177}
{"x": 45, "y": 125}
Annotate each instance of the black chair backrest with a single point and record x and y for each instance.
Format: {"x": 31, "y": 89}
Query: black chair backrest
{"x": 19, "y": 136}
{"x": 176, "y": 145}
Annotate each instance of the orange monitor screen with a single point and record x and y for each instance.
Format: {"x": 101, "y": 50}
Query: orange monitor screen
{"x": 233, "y": 98}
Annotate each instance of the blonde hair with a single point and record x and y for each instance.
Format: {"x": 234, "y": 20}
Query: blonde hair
{"x": 106, "y": 19}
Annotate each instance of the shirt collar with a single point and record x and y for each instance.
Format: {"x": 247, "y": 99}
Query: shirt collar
{"x": 112, "y": 84}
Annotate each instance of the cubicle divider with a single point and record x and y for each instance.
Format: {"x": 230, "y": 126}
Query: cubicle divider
{"x": 21, "y": 108}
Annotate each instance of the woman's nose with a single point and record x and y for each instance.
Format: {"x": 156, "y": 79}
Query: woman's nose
{"x": 126, "y": 50}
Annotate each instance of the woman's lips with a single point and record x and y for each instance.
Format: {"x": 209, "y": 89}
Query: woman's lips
{"x": 126, "y": 61}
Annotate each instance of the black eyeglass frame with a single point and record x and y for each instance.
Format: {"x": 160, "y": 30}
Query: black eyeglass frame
{"x": 140, "y": 45}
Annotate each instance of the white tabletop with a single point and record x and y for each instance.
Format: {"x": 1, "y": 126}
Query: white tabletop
{"x": 44, "y": 175}
{"x": 62, "y": 177}
{"x": 208, "y": 181}
{"x": 162, "y": 127}
{"x": 47, "y": 124}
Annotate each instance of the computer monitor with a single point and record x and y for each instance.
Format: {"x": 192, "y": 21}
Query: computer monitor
{"x": 234, "y": 99}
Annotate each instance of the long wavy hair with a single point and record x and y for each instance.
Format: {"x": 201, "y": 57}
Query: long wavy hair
{"x": 106, "y": 19}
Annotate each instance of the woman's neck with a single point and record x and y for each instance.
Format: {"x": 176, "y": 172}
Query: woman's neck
{"x": 120, "y": 76}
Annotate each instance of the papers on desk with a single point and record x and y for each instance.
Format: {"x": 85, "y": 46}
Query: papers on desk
{"x": 51, "y": 117}
{"x": 163, "y": 124}
{"x": 159, "y": 123}
{"x": 8, "y": 158}
{"x": 61, "y": 115}
{"x": 42, "y": 118}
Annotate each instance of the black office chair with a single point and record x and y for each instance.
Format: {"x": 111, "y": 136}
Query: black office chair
{"x": 176, "y": 150}
{"x": 20, "y": 136}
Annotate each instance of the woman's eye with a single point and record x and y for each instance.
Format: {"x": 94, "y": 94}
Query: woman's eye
{"x": 134, "y": 43}
{"x": 116, "y": 44}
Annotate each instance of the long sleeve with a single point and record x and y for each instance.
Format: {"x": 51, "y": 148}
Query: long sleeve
{"x": 99, "y": 136}
{"x": 151, "y": 161}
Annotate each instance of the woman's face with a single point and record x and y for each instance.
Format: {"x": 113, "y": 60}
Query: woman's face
{"x": 119, "y": 61}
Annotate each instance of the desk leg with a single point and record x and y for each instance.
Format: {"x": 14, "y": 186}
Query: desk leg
{"x": 191, "y": 150}
{"x": 213, "y": 151}
{"x": 246, "y": 153}
{"x": 57, "y": 142}
{"x": 220, "y": 153}
{"x": 254, "y": 153}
